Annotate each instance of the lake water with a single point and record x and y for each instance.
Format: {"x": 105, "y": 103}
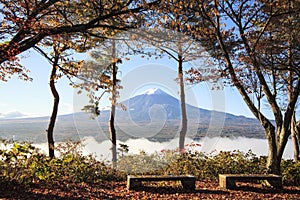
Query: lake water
{"x": 208, "y": 145}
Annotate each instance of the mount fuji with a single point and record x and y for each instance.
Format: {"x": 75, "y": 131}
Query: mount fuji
{"x": 141, "y": 106}
{"x": 157, "y": 105}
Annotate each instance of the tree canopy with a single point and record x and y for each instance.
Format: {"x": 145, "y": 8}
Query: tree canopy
{"x": 25, "y": 23}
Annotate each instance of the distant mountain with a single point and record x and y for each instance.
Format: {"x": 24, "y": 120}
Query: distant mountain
{"x": 12, "y": 115}
{"x": 152, "y": 111}
{"x": 139, "y": 108}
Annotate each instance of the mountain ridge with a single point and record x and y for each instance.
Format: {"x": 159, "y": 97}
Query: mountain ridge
{"x": 147, "y": 113}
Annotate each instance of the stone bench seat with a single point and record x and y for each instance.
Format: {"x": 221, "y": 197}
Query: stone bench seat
{"x": 228, "y": 181}
{"x": 187, "y": 181}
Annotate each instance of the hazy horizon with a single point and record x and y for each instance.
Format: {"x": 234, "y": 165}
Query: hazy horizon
{"x": 207, "y": 145}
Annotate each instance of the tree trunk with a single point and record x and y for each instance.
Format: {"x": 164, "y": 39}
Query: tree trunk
{"x": 182, "y": 105}
{"x": 273, "y": 164}
{"x": 54, "y": 112}
{"x": 113, "y": 139}
{"x": 297, "y": 134}
{"x": 111, "y": 122}
{"x": 294, "y": 138}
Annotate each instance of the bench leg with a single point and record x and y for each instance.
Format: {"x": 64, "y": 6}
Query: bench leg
{"x": 276, "y": 183}
{"x": 189, "y": 184}
{"x": 133, "y": 183}
{"x": 230, "y": 184}
{"x": 226, "y": 183}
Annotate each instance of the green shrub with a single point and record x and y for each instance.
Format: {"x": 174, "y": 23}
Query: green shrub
{"x": 290, "y": 172}
{"x": 14, "y": 159}
{"x": 210, "y": 166}
{"x": 141, "y": 164}
{"x": 24, "y": 164}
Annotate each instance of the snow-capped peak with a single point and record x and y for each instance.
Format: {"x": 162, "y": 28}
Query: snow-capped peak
{"x": 152, "y": 91}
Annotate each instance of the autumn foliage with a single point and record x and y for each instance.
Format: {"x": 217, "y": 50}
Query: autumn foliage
{"x": 26, "y": 23}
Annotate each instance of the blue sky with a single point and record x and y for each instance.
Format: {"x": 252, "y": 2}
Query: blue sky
{"x": 35, "y": 99}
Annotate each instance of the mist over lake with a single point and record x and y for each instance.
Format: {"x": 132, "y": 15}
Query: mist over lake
{"x": 101, "y": 150}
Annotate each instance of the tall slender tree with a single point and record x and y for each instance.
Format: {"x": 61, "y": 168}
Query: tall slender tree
{"x": 112, "y": 130}
{"x": 55, "y": 94}
{"x": 61, "y": 65}
{"x": 163, "y": 41}
{"x": 103, "y": 77}
{"x": 168, "y": 35}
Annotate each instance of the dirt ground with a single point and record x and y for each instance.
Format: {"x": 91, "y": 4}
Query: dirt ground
{"x": 118, "y": 190}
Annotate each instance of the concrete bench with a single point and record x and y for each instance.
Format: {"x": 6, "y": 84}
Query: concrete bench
{"x": 187, "y": 181}
{"x": 228, "y": 181}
